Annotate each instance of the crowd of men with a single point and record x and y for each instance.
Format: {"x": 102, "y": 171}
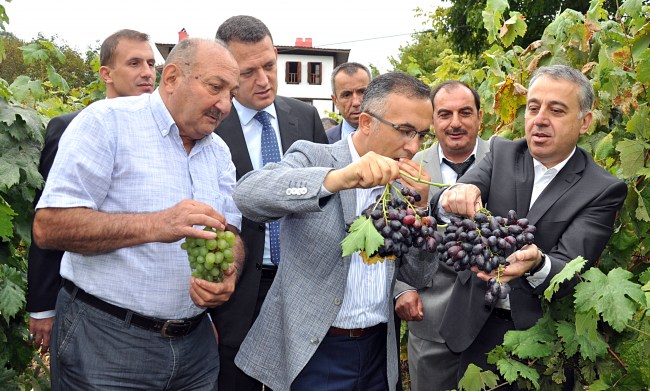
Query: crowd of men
{"x": 110, "y": 293}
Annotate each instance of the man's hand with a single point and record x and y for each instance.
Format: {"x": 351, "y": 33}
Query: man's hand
{"x": 462, "y": 200}
{"x": 415, "y": 170}
{"x": 213, "y": 294}
{"x": 178, "y": 221}
{"x": 41, "y": 329}
{"x": 369, "y": 171}
{"x": 409, "y": 306}
{"x": 520, "y": 261}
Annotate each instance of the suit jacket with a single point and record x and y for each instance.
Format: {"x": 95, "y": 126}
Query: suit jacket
{"x": 297, "y": 121}
{"x": 43, "y": 279}
{"x": 574, "y": 215}
{"x": 334, "y": 133}
{"x": 307, "y": 292}
{"x": 435, "y": 298}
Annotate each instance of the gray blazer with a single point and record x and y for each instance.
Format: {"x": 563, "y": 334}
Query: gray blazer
{"x": 435, "y": 298}
{"x": 307, "y": 292}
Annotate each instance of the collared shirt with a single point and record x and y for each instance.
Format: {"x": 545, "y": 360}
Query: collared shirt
{"x": 346, "y": 129}
{"x": 125, "y": 155}
{"x": 543, "y": 177}
{"x": 448, "y": 174}
{"x": 365, "y": 301}
{"x": 253, "y": 135}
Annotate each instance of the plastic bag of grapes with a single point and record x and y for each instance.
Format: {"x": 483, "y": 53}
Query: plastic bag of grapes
{"x": 210, "y": 258}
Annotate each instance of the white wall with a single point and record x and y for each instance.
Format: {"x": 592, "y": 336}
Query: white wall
{"x": 304, "y": 90}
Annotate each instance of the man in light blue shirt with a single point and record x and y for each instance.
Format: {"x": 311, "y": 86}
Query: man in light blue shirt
{"x": 349, "y": 82}
{"x": 132, "y": 178}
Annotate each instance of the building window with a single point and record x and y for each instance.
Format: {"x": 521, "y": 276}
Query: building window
{"x": 292, "y": 73}
{"x": 315, "y": 72}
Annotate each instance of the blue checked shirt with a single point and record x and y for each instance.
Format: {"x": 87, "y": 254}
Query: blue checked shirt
{"x": 125, "y": 155}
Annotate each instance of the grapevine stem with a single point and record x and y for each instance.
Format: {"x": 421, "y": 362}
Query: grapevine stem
{"x": 637, "y": 330}
{"x": 616, "y": 357}
{"x": 420, "y": 180}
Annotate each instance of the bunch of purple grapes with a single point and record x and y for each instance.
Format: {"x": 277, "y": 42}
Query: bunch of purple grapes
{"x": 403, "y": 226}
{"x": 485, "y": 241}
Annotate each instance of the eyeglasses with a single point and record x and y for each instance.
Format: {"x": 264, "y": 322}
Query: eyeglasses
{"x": 406, "y": 130}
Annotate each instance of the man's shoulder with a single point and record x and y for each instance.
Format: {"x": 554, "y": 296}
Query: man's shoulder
{"x": 293, "y": 103}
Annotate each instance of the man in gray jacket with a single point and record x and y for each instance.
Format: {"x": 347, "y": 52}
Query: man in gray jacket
{"x": 327, "y": 321}
{"x": 456, "y": 121}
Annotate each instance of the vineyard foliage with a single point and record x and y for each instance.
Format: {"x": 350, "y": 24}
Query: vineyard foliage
{"x": 600, "y": 335}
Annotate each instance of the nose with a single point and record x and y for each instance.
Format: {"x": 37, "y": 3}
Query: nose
{"x": 455, "y": 121}
{"x": 412, "y": 145}
{"x": 224, "y": 103}
{"x": 148, "y": 72}
{"x": 541, "y": 119}
{"x": 262, "y": 78}
{"x": 356, "y": 99}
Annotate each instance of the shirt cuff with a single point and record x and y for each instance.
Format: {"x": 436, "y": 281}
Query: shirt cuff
{"x": 324, "y": 192}
{"x": 538, "y": 278}
{"x": 403, "y": 292}
{"x": 43, "y": 314}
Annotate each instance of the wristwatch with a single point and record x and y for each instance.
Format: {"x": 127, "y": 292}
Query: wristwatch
{"x": 538, "y": 267}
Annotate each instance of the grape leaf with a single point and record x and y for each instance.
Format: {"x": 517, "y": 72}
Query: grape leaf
{"x": 513, "y": 370}
{"x": 632, "y": 155}
{"x": 565, "y": 274}
{"x": 513, "y": 28}
{"x": 12, "y": 296}
{"x": 599, "y": 385}
{"x": 587, "y": 324}
{"x": 363, "y": 236}
{"x": 605, "y": 147}
{"x": 6, "y": 216}
{"x": 643, "y": 204}
{"x": 375, "y": 258}
{"x": 56, "y": 79}
{"x": 589, "y": 348}
{"x": 643, "y": 67}
{"x": 492, "y": 17}
{"x": 639, "y": 123}
{"x": 7, "y": 113}
{"x": 535, "y": 342}
{"x": 611, "y": 295}
{"x": 476, "y": 380}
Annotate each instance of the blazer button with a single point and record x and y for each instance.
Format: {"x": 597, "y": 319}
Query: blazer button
{"x": 337, "y": 301}
{"x": 314, "y": 340}
{"x": 258, "y": 266}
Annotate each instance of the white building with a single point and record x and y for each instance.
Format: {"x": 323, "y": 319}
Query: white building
{"x": 303, "y": 71}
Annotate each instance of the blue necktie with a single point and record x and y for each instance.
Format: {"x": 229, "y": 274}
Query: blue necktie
{"x": 270, "y": 154}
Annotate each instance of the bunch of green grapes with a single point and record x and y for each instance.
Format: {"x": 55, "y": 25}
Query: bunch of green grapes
{"x": 210, "y": 258}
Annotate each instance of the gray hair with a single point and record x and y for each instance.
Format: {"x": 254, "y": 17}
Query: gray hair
{"x": 183, "y": 54}
{"x": 379, "y": 89}
{"x": 243, "y": 28}
{"x": 349, "y": 68}
{"x": 563, "y": 72}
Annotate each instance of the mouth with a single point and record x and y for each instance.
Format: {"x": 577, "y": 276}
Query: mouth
{"x": 215, "y": 115}
{"x": 146, "y": 86}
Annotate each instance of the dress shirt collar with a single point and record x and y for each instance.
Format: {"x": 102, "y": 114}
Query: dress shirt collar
{"x": 246, "y": 115}
{"x": 346, "y": 129}
{"x": 540, "y": 169}
{"x": 441, "y": 154}
{"x": 161, "y": 115}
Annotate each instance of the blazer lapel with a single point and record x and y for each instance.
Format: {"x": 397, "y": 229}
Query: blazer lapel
{"x": 563, "y": 181}
{"x": 289, "y": 133}
{"x": 231, "y": 132}
{"x": 524, "y": 179}
{"x": 342, "y": 157}
{"x": 430, "y": 159}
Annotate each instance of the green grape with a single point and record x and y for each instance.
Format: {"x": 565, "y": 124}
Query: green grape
{"x": 208, "y": 259}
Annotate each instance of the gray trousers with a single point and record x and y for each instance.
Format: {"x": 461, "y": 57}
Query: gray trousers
{"x": 432, "y": 366}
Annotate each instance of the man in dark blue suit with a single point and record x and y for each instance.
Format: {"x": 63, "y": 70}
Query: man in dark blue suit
{"x": 349, "y": 82}
{"x": 127, "y": 68}
{"x": 251, "y": 43}
{"x": 558, "y": 187}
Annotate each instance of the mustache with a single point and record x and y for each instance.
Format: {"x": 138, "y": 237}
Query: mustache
{"x": 456, "y": 131}
{"x": 215, "y": 113}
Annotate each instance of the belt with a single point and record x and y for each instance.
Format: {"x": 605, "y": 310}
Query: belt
{"x": 355, "y": 333}
{"x": 502, "y": 313}
{"x": 269, "y": 271}
{"x": 167, "y": 328}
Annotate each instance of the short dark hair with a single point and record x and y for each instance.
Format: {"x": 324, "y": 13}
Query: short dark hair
{"x": 243, "y": 28}
{"x": 452, "y": 84}
{"x": 349, "y": 68}
{"x": 107, "y": 50}
{"x": 376, "y": 95}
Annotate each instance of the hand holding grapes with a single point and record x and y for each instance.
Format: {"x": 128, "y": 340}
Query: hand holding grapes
{"x": 212, "y": 294}
{"x": 519, "y": 262}
{"x": 180, "y": 220}
{"x": 462, "y": 200}
{"x": 369, "y": 171}
{"x": 415, "y": 170}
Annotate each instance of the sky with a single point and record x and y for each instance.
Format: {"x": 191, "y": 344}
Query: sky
{"x": 371, "y": 31}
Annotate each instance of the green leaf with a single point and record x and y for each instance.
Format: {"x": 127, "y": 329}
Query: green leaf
{"x": 599, "y": 385}
{"x": 639, "y": 123}
{"x": 632, "y": 154}
{"x": 589, "y": 349}
{"x": 7, "y": 113}
{"x": 567, "y": 273}
{"x": 513, "y": 370}
{"x": 624, "y": 237}
{"x": 643, "y": 204}
{"x": 605, "y": 147}
{"x": 6, "y": 217}
{"x": 512, "y": 28}
{"x": 596, "y": 10}
{"x": 12, "y": 296}
{"x": 56, "y": 79}
{"x": 52, "y": 48}
{"x": 643, "y": 67}
{"x": 492, "y": 17}
{"x": 363, "y": 236}
{"x": 476, "y": 380}
{"x": 612, "y": 296}
{"x": 33, "y": 53}
{"x": 535, "y": 342}
{"x": 24, "y": 87}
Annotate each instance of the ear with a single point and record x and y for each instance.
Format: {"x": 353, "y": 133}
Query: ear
{"x": 586, "y": 122}
{"x": 105, "y": 74}
{"x": 171, "y": 76}
{"x": 365, "y": 123}
{"x": 333, "y": 99}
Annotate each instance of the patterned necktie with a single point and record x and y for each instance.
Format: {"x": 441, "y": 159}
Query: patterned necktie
{"x": 270, "y": 154}
{"x": 459, "y": 168}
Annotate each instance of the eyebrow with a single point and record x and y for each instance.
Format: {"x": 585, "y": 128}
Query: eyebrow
{"x": 446, "y": 110}
{"x": 551, "y": 103}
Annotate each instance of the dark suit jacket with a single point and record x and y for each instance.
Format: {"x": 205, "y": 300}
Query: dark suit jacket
{"x": 43, "y": 279}
{"x": 574, "y": 216}
{"x": 297, "y": 121}
{"x": 334, "y": 133}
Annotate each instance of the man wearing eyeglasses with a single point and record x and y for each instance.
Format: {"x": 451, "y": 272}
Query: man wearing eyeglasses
{"x": 327, "y": 322}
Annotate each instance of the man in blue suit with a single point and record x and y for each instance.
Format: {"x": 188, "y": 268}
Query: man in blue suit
{"x": 349, "y": 82}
